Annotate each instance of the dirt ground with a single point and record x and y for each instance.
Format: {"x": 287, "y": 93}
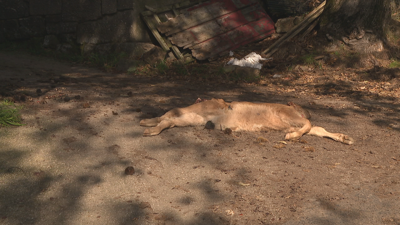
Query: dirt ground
{"x": 66, "y": 165}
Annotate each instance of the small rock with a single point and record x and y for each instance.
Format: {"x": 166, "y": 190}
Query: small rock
{"x": 86, "y": 105}
{"x": 50, "y": 41}
{"x": 209, "y": 125}
{"x": 309, "y": 149}
{"x": 138, "y": 110}
{"x": 22, "y": 98}
{"x": 67, "y": 99}
{"x": 130, "y": 94}
{"x": 114, "y": 113}
{"x": 154, "y": 55}
{"x": 129, "y": 170}
{"x": 285, "y": 25}
{"x": 38, "y": 91}
{"x": 144, "y": 205}
{"x": 261, "y": 139}
{"x": 228, "y": 131}
{"x": 77, "y": 97}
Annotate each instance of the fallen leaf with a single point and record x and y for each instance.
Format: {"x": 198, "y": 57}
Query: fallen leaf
{"x": 229, "y": 212}
{"x": 279, "y": 146}
{"x": 261, "y": 139}
{"x": 309, "y": 149}
{"x": 243, "y": 184}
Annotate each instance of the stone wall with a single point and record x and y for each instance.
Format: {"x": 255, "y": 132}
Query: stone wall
{"x": 89, "y": 24}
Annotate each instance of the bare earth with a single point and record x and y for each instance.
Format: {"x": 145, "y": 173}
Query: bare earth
{"x": 66, "y": 165}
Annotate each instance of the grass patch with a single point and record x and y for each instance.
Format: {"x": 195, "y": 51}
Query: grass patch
{"x": 309, "y": 59}
{"x": 162, "y": 67}
{"x": 394, "y": 64}
{"x": 9, "y": 114}
{"x": 108, "y": 62}
{"x": 180, "y": 68}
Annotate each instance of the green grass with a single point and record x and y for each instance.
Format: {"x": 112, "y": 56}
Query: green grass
{"x": 309, "y": 59}
{"x": 9, "y": 114}
{"x": 107, "y": 62}
{"x": 162, "y": 67}
{"x": 180, "y": 68}
{"x": 394, "y": 64}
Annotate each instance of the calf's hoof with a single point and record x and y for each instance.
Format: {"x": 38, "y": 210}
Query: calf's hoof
{"x": 292, "y": 136}
{"x": 150, "y": 132}
{"x": 347, "y": 140}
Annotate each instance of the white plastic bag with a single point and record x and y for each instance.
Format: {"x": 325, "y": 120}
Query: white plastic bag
{"x": 251, "y": 60}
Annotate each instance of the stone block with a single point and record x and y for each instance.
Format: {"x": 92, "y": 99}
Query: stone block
{"x": 12, "y": 30}
{"x": 108, "y": 6}
{"x": 154, "y": 56}
{"x": 67, "y": 38}
{"x": 23, "y": 28}
{"x": 44, "y": 7}
{"x": 122, "y": 27}
{"x": 34, "y": 26}
{"x": 53, "y": 18}
{"x": 81, "y": 10}
{"x": 134, "y": 50}
{"x": 61, "y": 28}
{"x": 50, "y": 41}
{"x": 125, "y": 4}
{"x": 2, "y": 36}
{"x": 9, "y": 28}
{"x": 284, "y": 25}
{"x": 13, "y": 9}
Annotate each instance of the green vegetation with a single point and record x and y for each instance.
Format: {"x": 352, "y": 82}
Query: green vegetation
{"x": 394, "y": 64}
{"x": 108, "y": 62}
{"x": 9, "y": 114}
{"x": 309, "y": 59}
{"x": 162, "y": 67}
{"x": 180, "y": 68}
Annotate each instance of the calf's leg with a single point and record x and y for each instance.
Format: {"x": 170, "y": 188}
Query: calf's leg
{"x": 187, "y": 119}
{"x": 164, "y": 124}
{"x": 297, "y": 134}
{"x": 321, "y": 132}
{"x": 150, "y": 122}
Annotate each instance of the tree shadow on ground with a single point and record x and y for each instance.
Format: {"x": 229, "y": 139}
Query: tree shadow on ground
{"x": 151, "y": 97}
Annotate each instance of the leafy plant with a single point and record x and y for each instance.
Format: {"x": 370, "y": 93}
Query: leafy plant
{"x": 9, "y": 114}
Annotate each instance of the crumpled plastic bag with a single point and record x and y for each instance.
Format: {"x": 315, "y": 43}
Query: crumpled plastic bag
{"x": 251, "y": 60}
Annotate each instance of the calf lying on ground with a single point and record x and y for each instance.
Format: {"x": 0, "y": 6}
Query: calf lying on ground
{"x": 243, "y": 116}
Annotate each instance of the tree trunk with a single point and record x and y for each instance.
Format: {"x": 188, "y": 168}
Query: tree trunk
{"x": 347, "y": 15}
{"x": 351, "y": 20}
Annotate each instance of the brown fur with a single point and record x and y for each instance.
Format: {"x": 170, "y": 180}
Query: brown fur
{"x": 243, "y": 116}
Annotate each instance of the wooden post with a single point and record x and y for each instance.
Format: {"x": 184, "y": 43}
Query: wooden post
{"x": 295, "y": 30}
